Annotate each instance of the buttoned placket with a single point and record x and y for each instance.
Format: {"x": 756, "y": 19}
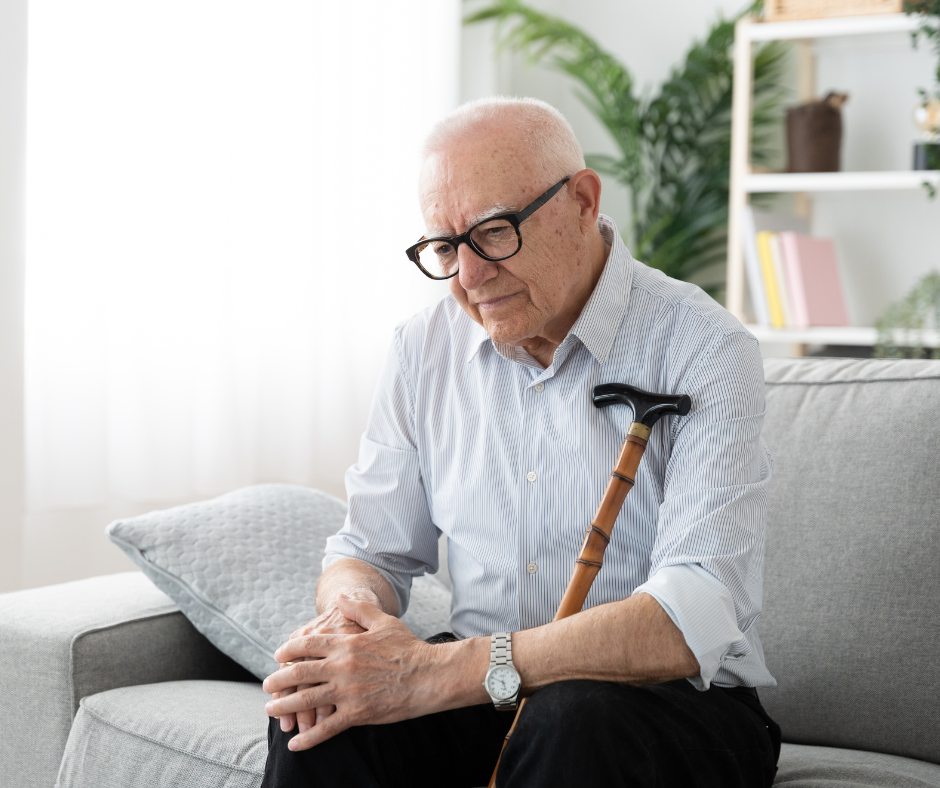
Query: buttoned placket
{"x": 533, "y": 483}
{"x": 534, "y": 489}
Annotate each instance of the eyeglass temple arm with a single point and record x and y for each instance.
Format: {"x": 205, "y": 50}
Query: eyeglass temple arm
{"x": 523, "y": 215}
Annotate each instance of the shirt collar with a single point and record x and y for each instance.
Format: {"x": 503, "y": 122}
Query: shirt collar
{"x": 599, "y": 321}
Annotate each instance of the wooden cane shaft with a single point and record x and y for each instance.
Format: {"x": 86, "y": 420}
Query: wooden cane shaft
{"x": 591, "y": 557}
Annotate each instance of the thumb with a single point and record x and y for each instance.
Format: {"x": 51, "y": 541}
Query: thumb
{"x": 365, "y": 614}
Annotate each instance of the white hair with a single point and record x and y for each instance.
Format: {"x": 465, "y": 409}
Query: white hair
{"x": 543, "y": 129}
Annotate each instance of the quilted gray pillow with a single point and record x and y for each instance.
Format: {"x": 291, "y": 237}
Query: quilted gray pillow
{"x": 243, "y": 567}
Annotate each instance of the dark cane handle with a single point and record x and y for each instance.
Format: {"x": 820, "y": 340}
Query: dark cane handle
{"x": 646, "y": 407}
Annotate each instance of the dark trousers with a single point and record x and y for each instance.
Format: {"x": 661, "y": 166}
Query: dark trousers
{"x": 591, "y": 733}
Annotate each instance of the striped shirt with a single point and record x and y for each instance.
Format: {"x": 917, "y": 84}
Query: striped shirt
{"x": 475, "y": 440}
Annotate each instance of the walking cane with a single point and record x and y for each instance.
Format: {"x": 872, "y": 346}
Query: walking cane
{"x": 647, "y": 409}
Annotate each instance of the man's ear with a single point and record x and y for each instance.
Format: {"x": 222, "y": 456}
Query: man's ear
{"x": 585, "y": 189}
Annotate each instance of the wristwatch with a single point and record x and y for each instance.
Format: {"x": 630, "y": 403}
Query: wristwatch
{"x": 502, "y": 680}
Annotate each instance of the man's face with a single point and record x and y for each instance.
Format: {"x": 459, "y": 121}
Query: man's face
{"x": 531, "y": 294}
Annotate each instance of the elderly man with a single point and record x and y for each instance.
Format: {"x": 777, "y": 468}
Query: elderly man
{"x": 483, "y": 429}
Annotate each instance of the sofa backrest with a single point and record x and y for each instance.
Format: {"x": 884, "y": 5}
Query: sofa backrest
{"x": 851, "y": 622}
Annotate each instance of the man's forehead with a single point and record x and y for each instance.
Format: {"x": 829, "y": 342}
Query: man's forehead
{"x": 455, "y": 195}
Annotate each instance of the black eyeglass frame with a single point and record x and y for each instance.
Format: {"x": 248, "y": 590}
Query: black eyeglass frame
{"x": 515, "y": 219}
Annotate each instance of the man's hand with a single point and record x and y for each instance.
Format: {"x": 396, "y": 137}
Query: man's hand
{"x": 330, "y": 622}
{"x": 382, "y": 674}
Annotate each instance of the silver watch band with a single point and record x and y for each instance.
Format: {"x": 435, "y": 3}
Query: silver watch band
{"x": 501, "y": 654}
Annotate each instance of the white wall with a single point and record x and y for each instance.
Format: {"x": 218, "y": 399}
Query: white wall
{"x": 12, "y": 235}
{"x": 886, "y": 240}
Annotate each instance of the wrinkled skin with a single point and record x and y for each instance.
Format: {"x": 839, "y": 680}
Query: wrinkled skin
{"x": 373, "y": 676}
{"x": 333, "y": 622}
{"x": 533, "y": 298}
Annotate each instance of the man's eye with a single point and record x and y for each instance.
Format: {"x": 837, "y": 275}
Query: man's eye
{"x": 443, "y": 250}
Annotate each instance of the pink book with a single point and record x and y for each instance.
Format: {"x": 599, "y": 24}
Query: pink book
{"x": 812, "y": 273}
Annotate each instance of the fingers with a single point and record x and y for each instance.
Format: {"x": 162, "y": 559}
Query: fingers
{"x": 323, "y": 712}
{"x": 306, "y": 647}
{"x": 302, "y": 700}
{"x": 327, "y": 729}
{"x": 308, "y": 672}
{"x": 306, "y": 718}
{"x": 365, "y": 614}
{"x": 288, "y": 720}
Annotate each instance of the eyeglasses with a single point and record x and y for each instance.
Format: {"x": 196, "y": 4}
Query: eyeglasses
{"x": 497, "y": 238}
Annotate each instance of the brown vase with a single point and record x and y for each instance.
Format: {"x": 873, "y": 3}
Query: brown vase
{"x": 814, "y": 135}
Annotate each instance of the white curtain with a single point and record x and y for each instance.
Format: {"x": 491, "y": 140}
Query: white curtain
{"x": 219, "y": 196}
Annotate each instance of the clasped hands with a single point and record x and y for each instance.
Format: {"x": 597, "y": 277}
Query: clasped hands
{"x": 352, "y": 665}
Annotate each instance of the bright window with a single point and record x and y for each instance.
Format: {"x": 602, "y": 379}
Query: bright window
{"x": 219, "y": 196}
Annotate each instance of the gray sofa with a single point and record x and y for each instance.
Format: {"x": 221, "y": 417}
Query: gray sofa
{"x": 103, "y": 682}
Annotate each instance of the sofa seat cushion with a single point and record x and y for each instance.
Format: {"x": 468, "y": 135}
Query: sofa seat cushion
{"x": 211, "y": 734}
{"x": 828, "y": 767}
{"x": 214, "y": 734}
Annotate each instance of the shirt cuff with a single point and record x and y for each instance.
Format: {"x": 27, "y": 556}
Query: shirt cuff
{"x": 701, "y": 607}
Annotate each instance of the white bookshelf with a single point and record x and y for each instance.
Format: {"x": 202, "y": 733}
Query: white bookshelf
{"x": 840, "y": 181}
{"x": 744, "y": 182}
{"x": 830, "y": 28}
{"x": 835, "y": 335}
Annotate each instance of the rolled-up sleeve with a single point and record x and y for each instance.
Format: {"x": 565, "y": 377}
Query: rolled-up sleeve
{"x": 388, "y": 524}
{"x": 707, "y": 562}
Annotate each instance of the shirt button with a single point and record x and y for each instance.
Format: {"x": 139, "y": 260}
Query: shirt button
{"x": 531, "y": 476}
{"x": 531, "y": 568}
{"x": 540, "y": 387}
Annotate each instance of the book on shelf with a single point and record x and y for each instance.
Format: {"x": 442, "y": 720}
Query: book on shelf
{"x": 771, "y": 283}
{"x": 755, "y": 278}
{"x": 813, "y": 271}
{"x": 793, "y": 277}
{"x": 754, "y": 221}
{"x": 776, "y": 257}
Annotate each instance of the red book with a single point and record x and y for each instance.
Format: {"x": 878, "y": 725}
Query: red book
{"x": 812, "y": 273}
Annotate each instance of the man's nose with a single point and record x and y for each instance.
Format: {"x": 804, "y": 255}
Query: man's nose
{"x": 473, "y": 269}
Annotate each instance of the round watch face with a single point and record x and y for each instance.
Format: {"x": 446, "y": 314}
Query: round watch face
{"x": 502, "y": 682}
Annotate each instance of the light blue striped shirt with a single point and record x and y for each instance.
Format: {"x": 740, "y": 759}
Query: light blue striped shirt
{"x": 475, "y": 440}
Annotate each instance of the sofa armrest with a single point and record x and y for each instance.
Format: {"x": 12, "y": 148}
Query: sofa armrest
{"x": 61, "y": 643}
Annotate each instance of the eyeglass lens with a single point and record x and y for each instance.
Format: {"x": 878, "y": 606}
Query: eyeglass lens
{"x": 497, "y": 239}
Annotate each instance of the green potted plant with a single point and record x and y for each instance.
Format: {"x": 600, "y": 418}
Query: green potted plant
{"x": 901, "y": 327}
{"x": 927, "y": 112}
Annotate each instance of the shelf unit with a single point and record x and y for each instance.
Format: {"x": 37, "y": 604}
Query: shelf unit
{"x": 839, "y": 181}
{"x": 836, "y": 335}
{"x": 744, "y": 182}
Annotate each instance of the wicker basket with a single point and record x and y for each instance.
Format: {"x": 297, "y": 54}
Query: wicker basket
{"x": 788, "y": 10}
